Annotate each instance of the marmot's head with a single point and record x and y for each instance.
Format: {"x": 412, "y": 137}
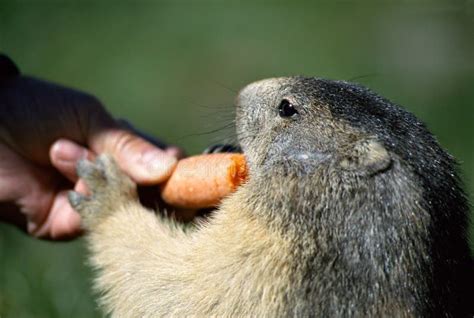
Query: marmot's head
{"x": 296, "y": 125}
{"x": 320, "y": 145}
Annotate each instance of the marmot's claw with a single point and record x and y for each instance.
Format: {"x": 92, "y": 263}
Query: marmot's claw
{"x": 109, "y": 188}
{"x": 75, "y": 199}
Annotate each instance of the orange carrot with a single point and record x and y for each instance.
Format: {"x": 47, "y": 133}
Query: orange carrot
{"x": 202, "y": 181}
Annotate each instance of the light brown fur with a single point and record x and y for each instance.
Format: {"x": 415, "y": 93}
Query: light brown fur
{"x": 160, "y": 269}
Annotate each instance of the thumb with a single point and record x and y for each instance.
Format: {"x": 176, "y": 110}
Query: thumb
{"x": 141, "y": 160}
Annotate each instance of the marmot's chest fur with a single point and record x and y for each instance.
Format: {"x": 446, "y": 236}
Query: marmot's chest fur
{"x": 351, "y": 209}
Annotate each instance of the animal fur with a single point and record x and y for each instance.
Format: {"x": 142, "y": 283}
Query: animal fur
{"x": 352, "y": 209}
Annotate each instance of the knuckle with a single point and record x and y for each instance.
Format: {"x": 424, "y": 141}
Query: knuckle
{"x": 123, "y": 142}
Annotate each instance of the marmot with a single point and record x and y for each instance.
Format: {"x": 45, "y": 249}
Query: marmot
{"x": 352, "y": 209}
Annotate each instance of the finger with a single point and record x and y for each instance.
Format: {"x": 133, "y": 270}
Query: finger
{"x": 64, "y": 155}
{"x": 62, "y": 222}
{"x": 27, "y": 187}
{"x": 81, "y": 187}
{"x": 175, "y": 152}
{"x": 142, "y": 161}
{"x": 125, "y": 124}
{"x": 171, "y": 150}
{"x": 31, "y": 189}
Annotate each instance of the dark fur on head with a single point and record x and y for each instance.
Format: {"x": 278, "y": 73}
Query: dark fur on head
{"x": 369, "y": 199}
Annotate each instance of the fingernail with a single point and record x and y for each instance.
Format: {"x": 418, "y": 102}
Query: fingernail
{"x": 71, "y": 225}
{"x": 175, "y": 152}
{"x": 157, "y": 163}
{"x": 68, "y": 151}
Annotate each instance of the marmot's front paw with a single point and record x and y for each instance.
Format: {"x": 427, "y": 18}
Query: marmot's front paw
{"x": 110, "y": 188}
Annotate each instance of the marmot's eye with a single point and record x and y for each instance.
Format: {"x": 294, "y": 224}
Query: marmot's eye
{"x": 286, "y": 109}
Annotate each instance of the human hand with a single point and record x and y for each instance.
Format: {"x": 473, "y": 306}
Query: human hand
{"x": 44, "y": 130}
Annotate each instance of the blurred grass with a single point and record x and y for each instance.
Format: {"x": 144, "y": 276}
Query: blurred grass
{"x": 173, "y": 69}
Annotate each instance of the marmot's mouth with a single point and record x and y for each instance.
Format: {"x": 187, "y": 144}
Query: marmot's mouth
{"x": 220, "y": 148}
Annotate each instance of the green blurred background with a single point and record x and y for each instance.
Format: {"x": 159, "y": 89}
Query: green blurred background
{"x": 173, "y": 68}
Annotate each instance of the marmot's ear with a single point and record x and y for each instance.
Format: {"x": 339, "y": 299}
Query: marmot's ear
{"x": 367, "y": 158}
